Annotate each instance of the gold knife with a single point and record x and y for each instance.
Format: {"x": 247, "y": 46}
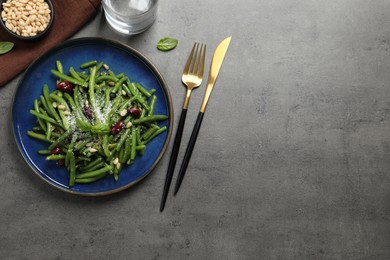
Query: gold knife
{"x": 215, "y": 67}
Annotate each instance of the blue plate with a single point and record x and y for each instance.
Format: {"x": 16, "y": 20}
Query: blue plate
{"x": 120, "y": 58}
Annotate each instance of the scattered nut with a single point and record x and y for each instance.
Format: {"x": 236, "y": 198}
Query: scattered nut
{"x": 116, "y": 161}
{"x": 92, "y": 150}
{"x": 128, "y": 125}
{"x": 123, "y": 112}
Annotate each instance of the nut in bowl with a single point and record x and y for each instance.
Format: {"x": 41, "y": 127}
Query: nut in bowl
{"x": 26, "y": 19}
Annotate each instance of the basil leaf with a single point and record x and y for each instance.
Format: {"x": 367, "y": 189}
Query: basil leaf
{"x": 6, "y": 47}
{"x": 167, "y": 44}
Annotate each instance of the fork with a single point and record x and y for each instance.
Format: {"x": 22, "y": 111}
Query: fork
{"x": 191, "y": 78}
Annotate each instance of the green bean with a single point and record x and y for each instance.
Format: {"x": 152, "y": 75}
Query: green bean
{"x": 72, "y": 163}
{"x": 88, "y": 64}
{"x": 68, "y": 78}
{"x": 94, "y": 173}
{"x": 44, "y": 117}
{"x": 143, "y": 102}
{"x": 72, "y": 104}
{"x": 140, "y": 148}
{"x": 91, "y": 85}
{"x": 64, "y": 120}
{"x": 98, "y": 67}
{"x": 120, "y": 75}
{"x": 49, "y": 105}
{"x": 59, "y": 66}
{"x": 91, "y": 179}
{"x": 60, "y": 139}
{"x": 82, "y": 144}
{"x": 48, "y": 130}
{"x": 94, "y": 165}
{"x": 133, "y": 89}
{"x": 55, "y": 157}
{"x": 91, "y": 164}
{"x": 105, "y": 146}
{"x": 123, "y": 138}
{"x": 82, "y": 75}
{"x": 75, "y": 75}
{"x": 37, "y": 136}
{"x": 142, "y": 90}
{"x": 40, "y": 120}
{"x": 111, "y": 73}
{"x": 127, "y": 151}
{"x": 149, "y": 119}
{"x": 152, "y": 105}
{"x": 106, "y": 78}
{"x": 159, "y": 131}
{"x": 44, "y": 152}
{"x": 138, "y": 135}
{"x": 82, "y": 159}
{"x": 150, "y": 132}
{"x": 118, "y": 85}
{"x": 133, "y": 143}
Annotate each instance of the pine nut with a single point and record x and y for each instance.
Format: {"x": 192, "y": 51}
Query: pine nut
{"x": 123, "y": 112}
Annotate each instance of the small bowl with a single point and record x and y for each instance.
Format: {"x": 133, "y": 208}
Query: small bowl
{"x": 33, "y": 37}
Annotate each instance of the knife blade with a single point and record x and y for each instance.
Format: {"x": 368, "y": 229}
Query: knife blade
{"x": 216, "y": 64}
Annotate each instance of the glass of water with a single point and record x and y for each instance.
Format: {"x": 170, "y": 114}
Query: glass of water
{"x": 130, "y": 16}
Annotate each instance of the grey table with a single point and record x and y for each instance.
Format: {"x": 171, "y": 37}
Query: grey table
{"x": 292, "y": 161}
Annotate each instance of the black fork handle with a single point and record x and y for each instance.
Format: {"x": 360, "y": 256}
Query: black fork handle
{"x": 190, "y": 148}
{"x": 173, "y": 158}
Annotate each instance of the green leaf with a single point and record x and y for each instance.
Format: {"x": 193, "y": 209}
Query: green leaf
{"x": 83, "y": 126}
{"x": 167, "y": 44}
{"x": 6, "y": 47}
{"x": 100, "y": 129}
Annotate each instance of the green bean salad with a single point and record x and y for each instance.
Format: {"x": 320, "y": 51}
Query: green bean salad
{"x": 95, "y": 121}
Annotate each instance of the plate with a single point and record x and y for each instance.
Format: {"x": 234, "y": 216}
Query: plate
{"x": 120, "y": 58}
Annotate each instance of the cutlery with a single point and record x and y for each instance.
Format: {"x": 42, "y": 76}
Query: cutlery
{"x": 216, "y": 64}
{"x": 191, "y": 78}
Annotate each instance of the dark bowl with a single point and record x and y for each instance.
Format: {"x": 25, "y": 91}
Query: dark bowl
{"x": 29, "y": 38}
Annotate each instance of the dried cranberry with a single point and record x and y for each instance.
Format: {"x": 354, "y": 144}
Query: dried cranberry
{"x": 65, "y": 86}
{"x": 115, "y": 129}
{"x": 61, "y": 162}
{"x": 56, "y": 150}
{"x": 134, "y": 111}
{"x": 88, "y": 112}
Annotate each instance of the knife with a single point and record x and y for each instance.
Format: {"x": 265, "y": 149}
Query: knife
{"x": 215, "y": 67}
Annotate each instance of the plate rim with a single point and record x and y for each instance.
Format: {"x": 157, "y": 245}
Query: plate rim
{"x": 122, "y": 46}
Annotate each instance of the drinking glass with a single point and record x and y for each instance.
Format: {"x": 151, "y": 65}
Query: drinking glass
{"x": 130, "y": 16}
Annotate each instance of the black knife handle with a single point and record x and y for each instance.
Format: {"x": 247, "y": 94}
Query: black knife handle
{"x": 172, "y": 160}
{"x": 190, "y": 148}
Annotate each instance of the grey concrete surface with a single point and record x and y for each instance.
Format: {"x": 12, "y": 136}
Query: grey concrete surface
{"x": 292, "y": 161}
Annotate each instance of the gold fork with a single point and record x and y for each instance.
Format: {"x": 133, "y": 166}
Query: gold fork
{"x": 191, "y": 78}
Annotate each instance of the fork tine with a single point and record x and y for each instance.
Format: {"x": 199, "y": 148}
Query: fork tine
{"x": 194, "y": 64}
{"x": 187, "y": 67}
{"x": 202, "y": 59}
{"x": 196, "y": 60}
